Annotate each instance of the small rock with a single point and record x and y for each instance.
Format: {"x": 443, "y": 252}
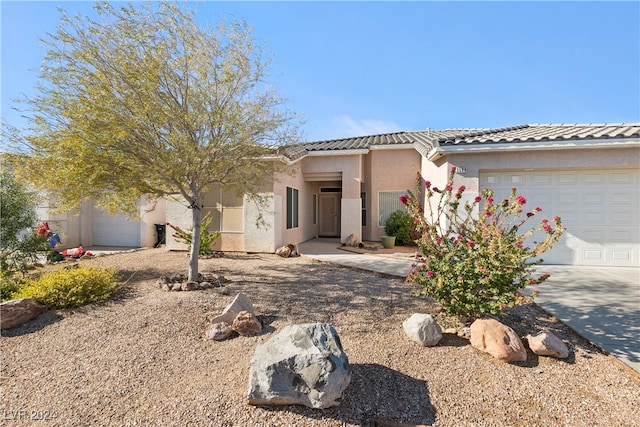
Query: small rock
{"x": 352, "y": 241}
{"x": 283, "y": 251}
{"x": 246, "y": 324}
{"x": 165, "y": 287}
{"x": 547, "y": 344}
{"x": 18, "y": 311}
{"x": 423, "y": 329}
{"x": 294, "y": 249}
{"x": 500, "y": 341}
{"x": 177, "y": 278}
{"x": 239, "y": 303}
{"x": 219, "y": 331}
{"x": 222, "y": 279}
{"x": 176, "y": 286}
{"x": 464, "y": 332}
{"x": 188, "y": 286}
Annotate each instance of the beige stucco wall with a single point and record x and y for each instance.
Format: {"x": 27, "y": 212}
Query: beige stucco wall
{"x": 305, "y": 230}
{"x": 388, "y": 170}
{"x": 477, "y": 162}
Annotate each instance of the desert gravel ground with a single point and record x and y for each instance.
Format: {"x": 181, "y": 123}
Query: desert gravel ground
{"x": 141, "y": 359}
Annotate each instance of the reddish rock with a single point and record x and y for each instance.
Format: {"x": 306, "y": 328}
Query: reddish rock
{"x": 240, "y": 303}
{"x": 500, "y": 341}
{"x": 547, "y": 344}
{"x": 283, "y": 251}
{"x": 18, "y": 311}
{"x": 246, "y": 324}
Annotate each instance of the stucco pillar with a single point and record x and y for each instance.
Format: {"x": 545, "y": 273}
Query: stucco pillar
{"x": 351, "y": 219}
{"x": 263, "y": 224}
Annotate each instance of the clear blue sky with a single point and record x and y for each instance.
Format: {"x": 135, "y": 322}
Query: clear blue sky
{"x": 358, "y": 68}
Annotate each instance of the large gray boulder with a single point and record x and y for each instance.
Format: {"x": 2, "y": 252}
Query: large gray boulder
{"x": 423, "y": 329}
{"x": 18, "y": 311}
{"x": 302, "y": 365}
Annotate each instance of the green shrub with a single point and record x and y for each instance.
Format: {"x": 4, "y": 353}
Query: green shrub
{"x": 74, "y": 287}
{"x": 400, "y": 225}
{"x": 8, "y": 287}
{"x": 207, "y": 238}
{"x": 478, "y": 256}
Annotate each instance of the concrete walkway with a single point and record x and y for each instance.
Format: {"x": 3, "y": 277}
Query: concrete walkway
{"x": 600, "y": 303}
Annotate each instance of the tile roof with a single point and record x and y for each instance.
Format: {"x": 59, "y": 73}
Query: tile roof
{"x": 424, "y": 141}
{"x": 538, "y": 132}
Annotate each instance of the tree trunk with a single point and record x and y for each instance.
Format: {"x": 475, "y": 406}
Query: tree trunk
{"x": 195, "y": 243}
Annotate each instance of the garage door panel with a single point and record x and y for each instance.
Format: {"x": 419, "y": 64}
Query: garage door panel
{"x": 599, "y": 208}
{"x": 114, "y": 230}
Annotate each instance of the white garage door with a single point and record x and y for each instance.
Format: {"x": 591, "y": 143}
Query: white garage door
{"x": 114, "y": 230}
{"x": 599, "y": 208}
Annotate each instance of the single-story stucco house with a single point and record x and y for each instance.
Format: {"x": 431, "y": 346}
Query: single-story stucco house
{"x": 587, "y": 174}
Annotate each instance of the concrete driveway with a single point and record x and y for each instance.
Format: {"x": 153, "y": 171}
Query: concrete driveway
{"x": 602, "y": 304}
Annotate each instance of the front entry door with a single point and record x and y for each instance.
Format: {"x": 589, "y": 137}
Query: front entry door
{"x": 330, "y": 215}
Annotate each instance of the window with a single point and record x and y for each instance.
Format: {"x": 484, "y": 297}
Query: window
{"x": 292, "y": 208}
{"x": 388, "y": 203}
{"x": 227, "y": 210}
{"x": 315, "y": 209}
{"x": 363, "y": 196}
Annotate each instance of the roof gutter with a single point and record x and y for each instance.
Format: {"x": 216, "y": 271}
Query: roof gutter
{"x": 503, "y": 147}
{"x": 321, "y": 153}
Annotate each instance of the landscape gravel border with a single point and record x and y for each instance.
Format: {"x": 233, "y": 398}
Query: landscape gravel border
{"x": 142, "y": 358}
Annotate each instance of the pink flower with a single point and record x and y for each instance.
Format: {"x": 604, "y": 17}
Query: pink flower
{"x": 470, "y": 243}
{"x": 521, "y": 200}
{"x": 404, "y": 199}
{"x": 436, "y": 189}
{"x": 529, "y": 214}
{"x": 461, "y": 188}
{"x": 538, "y": 209}
{"x": 489, "y": 200}
{"x": 453, "y": 169}
{"x": 429, "y": 273}
{"x": 449, "y": 187}
{"x": 488, "y": 213}
{"x": 519, "y": 245}
{"x": 477, "y": 199}
{"x": 427, "y": 184}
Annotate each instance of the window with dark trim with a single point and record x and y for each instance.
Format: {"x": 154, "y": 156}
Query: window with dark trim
{"x": 363, "y": 196}
{"x": 292, "y": 207}
{"x": 315, "y": 209}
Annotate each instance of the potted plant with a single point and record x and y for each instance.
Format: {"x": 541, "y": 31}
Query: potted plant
{"x": 388, "y": 242}
{"x": 398, "y": 228}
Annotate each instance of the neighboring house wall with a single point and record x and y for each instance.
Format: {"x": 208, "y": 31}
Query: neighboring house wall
{"x": 90, "y": 226}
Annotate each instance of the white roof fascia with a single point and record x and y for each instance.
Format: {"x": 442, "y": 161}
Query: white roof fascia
{"x": 531, "y": 146}
{"x": 392, "y": 147}
{"x": 337, "y": 152}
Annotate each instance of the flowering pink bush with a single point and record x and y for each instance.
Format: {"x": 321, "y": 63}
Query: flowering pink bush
{"x": 476, "y": 263}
